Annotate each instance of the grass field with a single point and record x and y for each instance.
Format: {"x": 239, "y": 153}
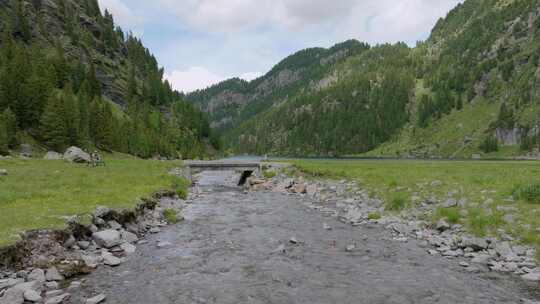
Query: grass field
{"x": 42, "y": 193}
{"x": 490, "y": 189}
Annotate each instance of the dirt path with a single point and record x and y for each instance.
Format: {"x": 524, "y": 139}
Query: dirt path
{"x": 235, "y": 248}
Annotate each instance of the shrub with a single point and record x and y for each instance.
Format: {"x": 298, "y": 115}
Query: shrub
{"x": 481, "y": 222}
{"x": 170, "y": 216}
{"x": 397, "y": 203}
{"x": 490, "y": 144}
{"x": 269, "y": 174}
{"x": 374, "y": 216}
{"x": 451, "y": 214}
{"x": 529, "y": 193}
{"x": 180, "y": 185}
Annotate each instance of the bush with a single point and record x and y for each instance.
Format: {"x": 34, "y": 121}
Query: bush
{"x": 481, "y": 222}
{"x": 269, "y": 174}
{"x": 529, "y": 193}
{"x": 374, "y": 216}
{"x": 490, "y": 144}
{"x": 180, "y": 185}
{"x": 451, "y": 214}
{"x": 170, "y": 216}
{"x": 397, "y": 203}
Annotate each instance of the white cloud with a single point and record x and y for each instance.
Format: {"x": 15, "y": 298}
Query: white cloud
{"x": 122, "y": 14}
{"x": 194, "y": 78}
{"x": 206, "y": 41}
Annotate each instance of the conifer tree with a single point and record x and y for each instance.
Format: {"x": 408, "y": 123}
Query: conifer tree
{"x": 3, "y": 138}
{"x": 53, "y": 126}
{"x": 10, "y": 127}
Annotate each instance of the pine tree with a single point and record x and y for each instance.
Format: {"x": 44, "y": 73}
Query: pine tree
{"x": 3, "y": 138}
{"x": 53, "y": 126}
{"x": 72, "y": 116}
{"x": 10, "y": 127}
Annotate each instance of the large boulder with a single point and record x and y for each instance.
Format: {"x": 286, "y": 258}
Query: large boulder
{"x": 77, "y": 155}
{"x": 107, "y": 238}
{"x": 51, "y": 155}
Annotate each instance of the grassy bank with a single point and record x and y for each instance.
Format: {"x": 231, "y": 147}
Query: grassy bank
{"x": 42, "y": 193}
{"x": 498, "y": 195}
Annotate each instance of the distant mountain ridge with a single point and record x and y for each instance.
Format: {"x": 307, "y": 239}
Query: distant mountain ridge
{"x": 235, "y": 100}
{"x": 472, "y": 88}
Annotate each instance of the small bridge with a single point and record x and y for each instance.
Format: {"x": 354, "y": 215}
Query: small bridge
{"x": 246, "y": 168}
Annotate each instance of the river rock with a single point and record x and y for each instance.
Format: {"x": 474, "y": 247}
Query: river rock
{"x": 442, "y": 225}
{"x": 51, "y": 155}
{"x": 12, "y": 296}
{"x": 481, "y": 258}
{"x": 37, "y": 275}
{"x": 128, "y": 237}
{"x": 128, "y": 248}
{"x": 110, "y": 260}
{"x": 107, "y": 238}
{"x": 77, "y": 155}
{"x": 477, "y": 244}
{"x": 58, "y": 299}
{"x": 97, "y": 299}
{"x": 32, "y": 296}
{"x": 52, "y": 274}
{"x": 504, "y": 249}
{"x": 533, "y": 276}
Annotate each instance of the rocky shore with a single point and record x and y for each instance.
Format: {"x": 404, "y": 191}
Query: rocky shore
{"x": 49, "y": 266}
{"x": 45, "y": 266}
{"x": 349, "y": 203}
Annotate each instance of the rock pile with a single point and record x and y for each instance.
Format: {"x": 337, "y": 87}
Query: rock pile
{"x": 349, "y": 204}
{"x": 52, "y": 257}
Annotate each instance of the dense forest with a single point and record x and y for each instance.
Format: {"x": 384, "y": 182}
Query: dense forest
{"x": 69, "y": 76}
{"x": 471, "y": 88}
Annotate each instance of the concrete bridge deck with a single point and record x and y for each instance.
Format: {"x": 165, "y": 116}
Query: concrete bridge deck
{"x": 245, "y": 168}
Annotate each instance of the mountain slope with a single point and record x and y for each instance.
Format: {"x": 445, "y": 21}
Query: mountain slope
{"x": 474, "y": 90}
{"x": 69, "y": 76}
{"x": 234, "y": 101}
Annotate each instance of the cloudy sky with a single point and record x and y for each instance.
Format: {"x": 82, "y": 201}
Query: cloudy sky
{"x": 202, "y": 42}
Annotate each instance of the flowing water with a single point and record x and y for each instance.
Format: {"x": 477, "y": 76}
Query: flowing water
{"x": 236, "y": 248}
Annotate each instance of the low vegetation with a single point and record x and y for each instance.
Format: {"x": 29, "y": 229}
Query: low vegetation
{"x": 529, "y": 193}
{"x": 43, "y": 194}
{"x": 170, "y": 216}
{"x": 490, "y": 199}
{"x": 181, "y": 185}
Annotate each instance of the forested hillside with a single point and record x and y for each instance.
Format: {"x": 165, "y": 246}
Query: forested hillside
{"x": 471, "y": 88}
{"x": 69, "y": 76}
{"x": 235, "y": 101}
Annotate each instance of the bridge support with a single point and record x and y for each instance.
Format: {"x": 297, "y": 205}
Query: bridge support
{"x": 244, "y": 177}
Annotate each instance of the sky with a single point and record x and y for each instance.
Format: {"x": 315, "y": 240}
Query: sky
{"x": 203, "y": 42}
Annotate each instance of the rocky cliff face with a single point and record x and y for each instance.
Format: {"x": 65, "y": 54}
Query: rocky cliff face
{"x": 50, "y": 23}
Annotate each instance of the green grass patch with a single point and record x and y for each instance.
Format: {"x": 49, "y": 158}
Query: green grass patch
{"x": 170, "y": 216}
{"x": 529, "y": 193}
{"x": 450, "y": 214}
{"x": 269, "y": 174}
{"x": 482, "y": 223}
{"x": 181, "y": 186}
{"x": 397, "y": 202}
{"x": 374, "y": 216}
{"x": 42, "y": 193}
{"x": 477, "y": 181}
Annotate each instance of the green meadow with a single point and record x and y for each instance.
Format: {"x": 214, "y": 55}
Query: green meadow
{"x": 43, "y": 193}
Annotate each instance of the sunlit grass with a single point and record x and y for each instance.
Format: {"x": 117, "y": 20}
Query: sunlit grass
{"x": 484, "y": 185}
{"x": 42, "y": 193}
